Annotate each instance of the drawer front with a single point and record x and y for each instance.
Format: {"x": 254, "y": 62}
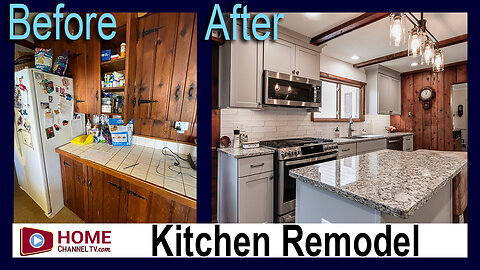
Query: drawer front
{"x": 255, "y": 165}
{"x": 346, "y": 150}
{"x": 370, "y": 146}
{"x": 408, "y": 143}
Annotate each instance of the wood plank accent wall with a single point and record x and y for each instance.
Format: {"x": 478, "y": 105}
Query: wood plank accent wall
{"x": 433, "y": 128}
{"x": 166, "y": 69}
{"x": 215, "y": 128}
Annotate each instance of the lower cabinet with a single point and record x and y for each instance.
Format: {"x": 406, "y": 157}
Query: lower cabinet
{"x": 96, "y": 196}
{"x": 245, "y": 189}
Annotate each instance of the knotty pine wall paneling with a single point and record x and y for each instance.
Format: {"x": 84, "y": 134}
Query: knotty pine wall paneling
{"x": 433, "y": 128}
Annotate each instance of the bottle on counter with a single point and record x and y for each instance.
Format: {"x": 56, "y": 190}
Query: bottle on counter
{"x": 89, "y": 125}
{"x": 236, "y": 138}
{"x": 337, "y": 133}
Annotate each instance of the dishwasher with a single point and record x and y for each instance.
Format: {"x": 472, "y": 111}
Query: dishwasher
{"x": 395, "y": 143}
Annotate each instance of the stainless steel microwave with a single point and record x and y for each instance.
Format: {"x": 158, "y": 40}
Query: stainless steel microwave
{"x": 290, "y": 90}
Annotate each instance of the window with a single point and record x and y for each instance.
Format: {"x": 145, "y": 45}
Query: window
{"x": 341, "y": 98}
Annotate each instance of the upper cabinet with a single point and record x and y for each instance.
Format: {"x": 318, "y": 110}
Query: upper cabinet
{"x": 289, "y": 58}
{"x": 240, "y": 74}
{"x": 383, "y": 91}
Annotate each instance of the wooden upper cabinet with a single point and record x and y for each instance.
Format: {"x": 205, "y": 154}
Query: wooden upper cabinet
{"x": 180, "y": 66}
{"x": 189, "y": 106}
{"x": 130, "y": 62}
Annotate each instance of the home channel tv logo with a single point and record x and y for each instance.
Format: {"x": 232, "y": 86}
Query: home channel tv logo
{"x": 33, "y": 241}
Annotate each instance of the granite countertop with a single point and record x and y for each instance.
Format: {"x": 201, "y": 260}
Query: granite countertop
{"x": 243, "y": 153}
{"x": 390, "y": 181}
{"x": 153, "y": 166}
{"x": 377, "y": 136}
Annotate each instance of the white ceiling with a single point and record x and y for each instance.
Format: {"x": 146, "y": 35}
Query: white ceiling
{"x": 372, "y": 41}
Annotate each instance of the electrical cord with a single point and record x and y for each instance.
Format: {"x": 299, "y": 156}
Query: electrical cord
{"x": 177, "y": 164}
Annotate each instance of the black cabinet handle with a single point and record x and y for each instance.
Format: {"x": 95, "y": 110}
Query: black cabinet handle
{"x": 65, "y": 163}
{"x": 345, "y": 150}
{"x": 177, "y": 92}
{"x": 135, "y": 194}
{"x": 89, "y": 183}
{"x": 190, "y": 91}
{"x": 115, "y": 185}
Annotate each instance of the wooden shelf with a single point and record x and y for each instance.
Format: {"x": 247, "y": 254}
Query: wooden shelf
{"x": 112, "y": 113}
{"x": 113, "y": 89}
{"x": 113, "y": 65}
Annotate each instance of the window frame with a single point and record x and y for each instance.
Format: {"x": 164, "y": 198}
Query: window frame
{"x": 339, "y": 81}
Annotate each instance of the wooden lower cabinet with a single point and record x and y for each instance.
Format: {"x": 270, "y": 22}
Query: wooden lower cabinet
{"x": 96, "y": 196}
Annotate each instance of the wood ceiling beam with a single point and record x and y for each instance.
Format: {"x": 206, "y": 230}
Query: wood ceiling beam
{"x": 442, "y": 43}
{"x": 353, "y": 24}
{"x": 26, "y": 43}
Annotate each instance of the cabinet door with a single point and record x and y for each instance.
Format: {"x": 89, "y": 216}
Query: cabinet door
{"x": 68, "y": 182}
{"x": 279, "y": 56}
{"x": 165, "y": 210}
{"x": 255, "y": 202}
{"x": 137, "y": 204}
{"x": 113, "y": 198}
{"x": 130, "y": 62}
{"x": 389, "y": 95}
{"x": 81, "y": 201}
{"x": 245, "y": 73}
{"x": 95, "y": 195}
{"x": 307, "y": 63}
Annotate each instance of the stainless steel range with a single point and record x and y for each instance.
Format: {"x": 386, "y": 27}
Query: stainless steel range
{"x": 291, "y": 154}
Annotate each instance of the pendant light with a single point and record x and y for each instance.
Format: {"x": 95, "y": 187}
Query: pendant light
{"x": 397, "y": 29}
{"x": 428, "y": 52}
{"x": 415, "y": 40}
{"x": 438, "y": 61}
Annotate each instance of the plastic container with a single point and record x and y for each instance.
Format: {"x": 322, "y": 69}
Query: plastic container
{"x": 337, "y": 133}
{"x": 123, "y": 50}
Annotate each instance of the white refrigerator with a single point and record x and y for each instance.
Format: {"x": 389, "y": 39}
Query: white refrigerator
{"x": 44, "y": 120}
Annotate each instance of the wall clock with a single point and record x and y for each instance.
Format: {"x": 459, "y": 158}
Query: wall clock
{"x": 425, "y": 96}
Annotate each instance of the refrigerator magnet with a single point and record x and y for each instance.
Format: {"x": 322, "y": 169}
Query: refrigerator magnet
{"x": 39, "y": 76}
{"x": 68, "y": 97}
{"x": 57, "y": 89}
{"x": 50, "y": 99}
{"x": 19, "y": 120}
{"x": 65, "y": 82}
{"x": 44, "y": 105}
{"x": 62, "y": 90}
{"x": 57, "y": 128}
{"x": 27, "y": 126}
{"x": 65, "y": 122}
{"x": 49, "y": 132}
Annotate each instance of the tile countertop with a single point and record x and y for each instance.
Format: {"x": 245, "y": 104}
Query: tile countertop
{"x": 380, "y": 136}
{"x": 154, "y": 167}
{"x": 390, "y": 181}
{"x": 243, "y": 153}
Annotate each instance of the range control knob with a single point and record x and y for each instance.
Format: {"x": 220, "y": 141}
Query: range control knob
{"x": 282, "y": 154}
{"x": 290, "y": 153}
{"x": 296, "y": 152}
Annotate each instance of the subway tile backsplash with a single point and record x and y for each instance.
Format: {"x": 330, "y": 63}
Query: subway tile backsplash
{"x": 279, "y": 123}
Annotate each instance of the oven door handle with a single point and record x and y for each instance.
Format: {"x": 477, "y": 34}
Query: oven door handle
{"x": 307, "y": 160}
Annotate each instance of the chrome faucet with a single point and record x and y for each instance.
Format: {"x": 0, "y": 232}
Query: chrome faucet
{"x": 350, "y": 123}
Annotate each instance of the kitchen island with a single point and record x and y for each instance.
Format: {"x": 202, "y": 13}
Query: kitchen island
{"x": 385, "y": 186}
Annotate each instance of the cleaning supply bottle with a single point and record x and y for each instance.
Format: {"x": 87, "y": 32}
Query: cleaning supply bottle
{"x": 89, "y": 125}
{"x": 337, "y": 133}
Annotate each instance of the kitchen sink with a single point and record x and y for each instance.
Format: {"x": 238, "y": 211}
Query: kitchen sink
{"x": 363, "y": 137}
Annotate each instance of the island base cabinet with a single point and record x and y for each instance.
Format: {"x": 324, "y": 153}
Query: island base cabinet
{"x": 317, "y": 205}
{"x": 97, "y": 196}
{"x": 253, "y": 202}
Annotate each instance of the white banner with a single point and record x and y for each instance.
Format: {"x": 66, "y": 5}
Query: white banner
{"x": 237, "y": 240}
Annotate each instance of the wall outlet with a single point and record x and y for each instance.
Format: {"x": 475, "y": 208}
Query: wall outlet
{"x": 181, "y": 127}
{"x": 239, "y": 126}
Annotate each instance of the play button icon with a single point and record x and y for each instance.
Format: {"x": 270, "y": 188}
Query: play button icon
{"x": 36, "y": 240}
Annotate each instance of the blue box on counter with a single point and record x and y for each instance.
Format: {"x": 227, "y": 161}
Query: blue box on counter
{"x": 106, "y": 55}
{"x": 121, "y": 135}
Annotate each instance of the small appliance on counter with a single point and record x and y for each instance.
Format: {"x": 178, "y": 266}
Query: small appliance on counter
{"x": 249, "y": 145}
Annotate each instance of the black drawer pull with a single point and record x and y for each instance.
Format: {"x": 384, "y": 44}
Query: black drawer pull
{"x": 115, "y": 185}
{"x": 65, "y": 163}
{"x": 135, "y": 194}
{"x": 258, "y": 165}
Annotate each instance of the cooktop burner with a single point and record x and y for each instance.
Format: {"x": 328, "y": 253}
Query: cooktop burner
{"x": 294, "y": 142}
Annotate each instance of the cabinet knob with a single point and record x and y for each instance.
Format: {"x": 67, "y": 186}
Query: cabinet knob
{"x": 297, "y": 72}
{"x": 293, "y": 71}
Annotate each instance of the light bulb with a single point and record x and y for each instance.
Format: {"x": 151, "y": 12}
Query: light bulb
{"x": 397, "y": 29}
